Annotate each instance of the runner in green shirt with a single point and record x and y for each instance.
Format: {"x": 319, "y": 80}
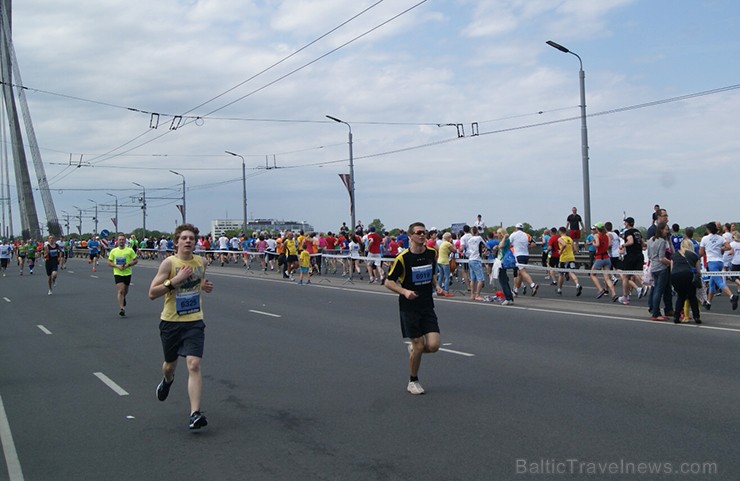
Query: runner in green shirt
{"x": 121, "y": 258}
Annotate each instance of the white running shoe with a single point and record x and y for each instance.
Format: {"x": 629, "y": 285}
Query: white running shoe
{"x": 49, "y": 293}
{"x": 415, "y": 388}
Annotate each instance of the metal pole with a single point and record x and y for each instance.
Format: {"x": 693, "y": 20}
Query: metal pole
{"x": 79, "y": 218}
{"x": 584, "y": 136}
{"x": 117, "y": 221}
{"x": 143, "y": 207}
{"x": 96, "y": 215}
{"x": 244, "y": 192}
{"x": 351, "y": 172}
{"x": 184, "y": 210}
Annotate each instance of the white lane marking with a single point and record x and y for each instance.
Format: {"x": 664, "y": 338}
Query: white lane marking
{"x": 6, "y": 299}
{"x": 43, "y": 329}
{"x": 265, "y": 313}
{"x": 94, "y": 277}
{"x": 108, "y": 382}
{"x": 459, "y": 353}
{"x": 15, "y": 473}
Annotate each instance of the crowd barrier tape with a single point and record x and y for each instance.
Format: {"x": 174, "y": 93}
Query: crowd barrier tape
{"x": 534, "y": 267}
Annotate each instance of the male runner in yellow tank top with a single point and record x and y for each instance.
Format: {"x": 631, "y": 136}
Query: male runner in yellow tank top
{"x": 181, "y": 279}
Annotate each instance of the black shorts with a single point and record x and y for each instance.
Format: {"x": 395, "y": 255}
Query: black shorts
{"x": 554, "y": 261}
{"x": 122, "y": 279}
{"x": 634, "y": 263}
{"x": 182, "y": 339}
{"x": 616, "y": 263}
{"x": 51, "y": 266}
{"x": 292, "y": 258}
{"x": 4, "y": 263}
{"x": 415, "y": 324}
{"x": 93, "y": 256}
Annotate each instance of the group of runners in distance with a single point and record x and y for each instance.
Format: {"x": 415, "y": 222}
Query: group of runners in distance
{"x": 418, "y": 264}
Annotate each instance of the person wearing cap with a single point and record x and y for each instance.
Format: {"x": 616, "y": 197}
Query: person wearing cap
{"x": 632, "y": 260}
{"x": 602, "y": 262}
{"x": 520, "y": 241}
{"x": 590, "y": 246}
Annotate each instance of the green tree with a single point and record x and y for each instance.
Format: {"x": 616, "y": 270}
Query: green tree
{"x": 378, "y": 225}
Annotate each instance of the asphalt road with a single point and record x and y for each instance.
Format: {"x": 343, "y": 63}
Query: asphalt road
{"x": 308, "y": 383}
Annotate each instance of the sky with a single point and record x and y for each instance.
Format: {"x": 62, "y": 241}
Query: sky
{"x": 106, "y": 81}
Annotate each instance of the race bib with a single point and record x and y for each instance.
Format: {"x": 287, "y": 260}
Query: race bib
{"x": 421, "y": 275}
{"x": 121, "y": 261}
{"x": 187, "y": 302}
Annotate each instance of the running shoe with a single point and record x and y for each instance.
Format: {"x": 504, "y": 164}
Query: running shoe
{"x": 624, "y": 300}
{"x": 163, "y": 389}
{"x": 415, "y": 388}
{"x": 49, "y": 293}
{"x": 448, "y": 294}
{"x": 601, "y": 294}
{"x": 641, "y": 292}
{"x": 615, "y": 280}
{"x": 122, "y": 313}
{"x": 507, "y": 303}
{"x": 579, "y": 289}
{"x": 198, "y": 420}
{"x": 560, "y": 292}
{"x": 524, "y": 290}
{"x": 615, "y": 298}
{"x": 707, "y": 305}
{"x": 733, "y": 301}
{"x": 535, "y": 288}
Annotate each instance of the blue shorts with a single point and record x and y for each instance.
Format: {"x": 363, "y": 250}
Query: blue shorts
{"x": 476, "y": 271}
{"x": 716, "y": 283}
{"x": 602, "y": 264}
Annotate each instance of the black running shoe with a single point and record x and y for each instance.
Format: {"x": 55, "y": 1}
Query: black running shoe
{"x": 122, "y": 313}
{"x": 198, "y": 420}
{"x": 733, "y": 301}
{"x": 579, "y": 289}
{"x": 163, "y": 389}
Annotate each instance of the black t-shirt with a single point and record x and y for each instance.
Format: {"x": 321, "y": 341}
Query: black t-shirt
{"x": 415, "y": 272}
{"x": 635, "y": 250}
{"x": 684, "y": 263}
{"x": 574, "y": 221}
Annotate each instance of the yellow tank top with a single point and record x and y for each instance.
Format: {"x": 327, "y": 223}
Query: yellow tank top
{"x": 566, "y": 252}
{"x": 182, "y": 304}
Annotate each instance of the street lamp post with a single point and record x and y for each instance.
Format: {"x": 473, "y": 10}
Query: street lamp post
{"x": 96, "y": 215}
{"x": 143, "y": 208}
{"x": 584, "y": 135}
{"x": 244, "y": 191}
{"x": 351, "y": 172}
{"x": 116, "y": 214}
{"x": 79, "y": 218}
{"x": 184, "y": 210}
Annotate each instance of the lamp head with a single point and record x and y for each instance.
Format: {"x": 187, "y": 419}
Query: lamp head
{"x": 557, "y": 46}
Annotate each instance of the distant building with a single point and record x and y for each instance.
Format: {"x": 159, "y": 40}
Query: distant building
{"x": 219, "y": 226}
